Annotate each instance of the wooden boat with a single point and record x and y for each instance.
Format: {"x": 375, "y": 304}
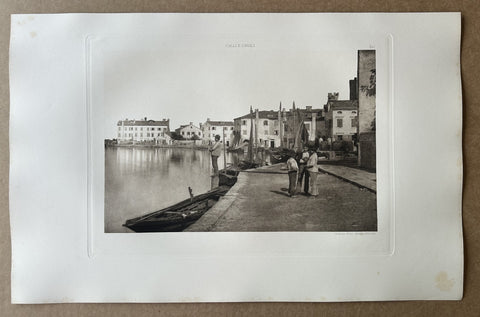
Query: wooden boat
{"x": 178, "y": 216}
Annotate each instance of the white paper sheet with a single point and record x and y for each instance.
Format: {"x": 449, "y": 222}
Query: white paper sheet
{"x": 60, "y": 252}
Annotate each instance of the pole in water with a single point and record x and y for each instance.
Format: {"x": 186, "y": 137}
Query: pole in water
{"x": 190, "y": 191}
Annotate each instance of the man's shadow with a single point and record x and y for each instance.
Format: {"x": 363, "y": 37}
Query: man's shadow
{"x": 284, "y": 192}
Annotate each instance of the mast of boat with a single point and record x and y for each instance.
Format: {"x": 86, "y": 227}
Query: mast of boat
{"x": 294, "y": 125}
{"x": 250, "y": 150}
{"x": 256, "y": 134}
{"x": 280, "y": 131}
{"x": 224, "y": 152}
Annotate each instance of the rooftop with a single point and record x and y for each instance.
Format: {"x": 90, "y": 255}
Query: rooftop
{"x": 342, "y": 105}
{"x": 144, "y": 122}
{"x": 223, "y": 123}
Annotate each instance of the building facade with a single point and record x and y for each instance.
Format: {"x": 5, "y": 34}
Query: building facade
{"x": 145, "y": 130}
{"x": 341, "y": 119}
{"x": 265, "y": 129}
{"x": 366, "y": 74}
{"x": 212, "y": 128}
{"x": 189, "y": 131}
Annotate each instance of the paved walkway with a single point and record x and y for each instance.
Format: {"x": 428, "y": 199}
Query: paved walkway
{"x": 355, "y": 176}
{"x": 259, "y": 202}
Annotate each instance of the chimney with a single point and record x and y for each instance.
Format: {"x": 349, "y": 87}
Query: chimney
{"x": 208, "y": 119}
{"x": 353, "y": 89}
{"x": 145, "y": 118}
{"x": 309, "y": 108}
{"x": 332, "y": 96}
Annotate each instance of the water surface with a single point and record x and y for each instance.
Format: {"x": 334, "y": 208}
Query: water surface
{"x": 142, "y": 180}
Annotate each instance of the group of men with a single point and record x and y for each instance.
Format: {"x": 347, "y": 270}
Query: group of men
{"x": 306, "y": 167}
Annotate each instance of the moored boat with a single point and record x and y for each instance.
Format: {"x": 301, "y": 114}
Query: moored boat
{"x": 178, "y": 216}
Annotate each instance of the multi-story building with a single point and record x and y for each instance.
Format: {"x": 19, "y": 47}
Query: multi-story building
{"x": 144, "y": 131}
{"x": 189, "y": 131}
{"x": 341, "y": 119}
{"x": 212, "y": 128}
{"x": 265, "y": 130}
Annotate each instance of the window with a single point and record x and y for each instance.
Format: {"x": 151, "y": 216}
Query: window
{"x": 244, "y": 132}
{"x": 265, "y": 122}
{"x": 131, "y": 128}
{"x": 339, "y": 123}
{"x": 244, "y": 122}
{"x": 265, "y": 132}
{"x": 148, "y": 135}
{"x": 339, "y": 112}
{"x": 141, "y": 134}
{"x": 135, "y": 134}
{"x": 213, "y": 128}
{"x": 119, "y": 128}
{"x": 135, "y": 128}
{"x": 119, "y": 135}
{"x": 231, "y": 128}
{"x": 225, "y": 128}
{"x": 354, "y": 122}
{"x": 129, "y": 135}
{"x": 141, "y": 129}
{"x": 183, "y": 132}
{"x": 125, "y": 128}
{"x": 275, "y": 132}
{"x": 164, "y": 129}
{"x": 188, "y": 133}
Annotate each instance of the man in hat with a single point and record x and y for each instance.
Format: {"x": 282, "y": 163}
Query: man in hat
{"x": 215, "y": 150}
{"x": 292, "y": 168}
{"x": 312, "y": 170}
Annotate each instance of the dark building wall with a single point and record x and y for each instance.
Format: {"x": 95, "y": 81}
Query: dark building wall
{"x": 366, "y": 76}
{"x": 353, "y": 89}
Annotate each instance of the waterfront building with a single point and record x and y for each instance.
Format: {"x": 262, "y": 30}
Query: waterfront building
{"x": 211, "y": 128}
{"x": 144, "y": 130}
{"x": 341, "y": 118}
{"x": 190, "y": 131}
{"x": 266, "y": 128}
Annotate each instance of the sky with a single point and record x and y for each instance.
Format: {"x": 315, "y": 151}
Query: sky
{"x": 193, "y": 84}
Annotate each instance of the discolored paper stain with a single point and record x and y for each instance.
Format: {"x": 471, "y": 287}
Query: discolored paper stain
{"x": 33, "y": 34}
{"x": 442, "y": 281}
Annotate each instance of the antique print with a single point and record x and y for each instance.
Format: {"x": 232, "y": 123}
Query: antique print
{"x": 240, "y": 139}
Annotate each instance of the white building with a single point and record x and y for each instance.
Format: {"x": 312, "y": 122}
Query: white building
{"x": 153, "y": 131}
{"x": 341, "y": 119}
{"x": 212, "y": 128}
{"x": 265, "y": 128}
{"x": 190, "y": 131}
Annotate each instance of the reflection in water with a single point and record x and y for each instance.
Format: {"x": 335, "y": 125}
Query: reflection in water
{"x": 142, "y": 180}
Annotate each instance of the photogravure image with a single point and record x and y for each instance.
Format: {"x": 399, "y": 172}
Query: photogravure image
{"x": 235, "y": 137}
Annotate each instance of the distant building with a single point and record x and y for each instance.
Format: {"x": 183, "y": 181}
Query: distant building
{"x": 366, "y": 75}
{"x": 212, "y": 128}
{"x": 144, "y": 131}
{"x": 189, "y": 131}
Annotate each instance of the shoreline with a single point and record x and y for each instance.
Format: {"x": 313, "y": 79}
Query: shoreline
{"x": 196, "y": 147}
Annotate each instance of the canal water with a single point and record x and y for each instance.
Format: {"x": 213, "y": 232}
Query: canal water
{"x": 143, "y": 180}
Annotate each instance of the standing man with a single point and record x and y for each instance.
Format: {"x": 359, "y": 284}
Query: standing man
{"x": 215, "y": 149}
{"x": 292, "y": 168}
{"x": 302, "y": 163}
{"x": 312, "y": 169}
